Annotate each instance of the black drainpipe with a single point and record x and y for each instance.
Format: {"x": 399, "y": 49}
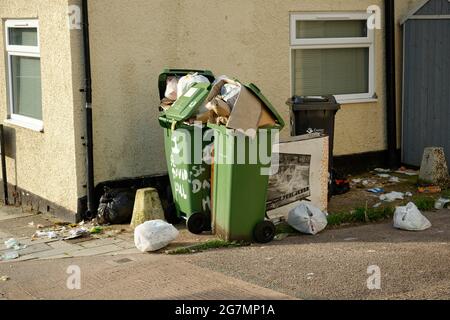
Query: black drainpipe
{"x": 88, "y": 97}
{"x": 391, "y": 109}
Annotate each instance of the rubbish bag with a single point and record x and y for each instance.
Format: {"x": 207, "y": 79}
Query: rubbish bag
{"x": 307, "y": 219}
{"x": 410, "y": 218}
{"x": 116, "y": 206}
{"x": 171, "y": 88}
{"x": 186, "y": 82}
{"x": 230, "y": 94}
{"x": 154, "y": 235}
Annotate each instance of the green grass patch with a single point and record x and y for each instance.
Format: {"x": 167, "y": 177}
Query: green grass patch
{"x": 361, "y": 215}
{"x": 284, "y": 228}
{"x": 446, "y": 194}
{"x": 424, "y": 203}
{"x": 212, "y": 244}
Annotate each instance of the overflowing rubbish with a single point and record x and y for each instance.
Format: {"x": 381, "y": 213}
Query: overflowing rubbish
{"x": 10, "y": 255}
{"x": 392, "y": 196}
{"x": 185, "y": 83}
{"x": 116, "y": 206}
{"x": 441, "y": 203}
{"x": 171, "y": 88}
{"x": 154, "y": 235}
{"x": 430, "y": 189}
{"x": 307, "y": 219}
{"x": 410, "y": 218}
{"x": 14, "y": 244}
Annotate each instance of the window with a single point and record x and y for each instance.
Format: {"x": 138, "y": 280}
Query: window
{"x": 332, "y": 54}
{"x": 24, "y": 73}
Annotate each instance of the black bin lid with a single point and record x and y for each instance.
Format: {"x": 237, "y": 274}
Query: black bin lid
{"x": 303, "y": 103}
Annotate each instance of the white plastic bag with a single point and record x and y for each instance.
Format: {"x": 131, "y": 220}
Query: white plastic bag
{"x": 154, "y": 235}
{"x": 410, "y": 218}
{"x": 171, "y": 88}
{"x": 230, "y": 94}
{"x": 186, "y": 82}
{"x": 308, "y": 219}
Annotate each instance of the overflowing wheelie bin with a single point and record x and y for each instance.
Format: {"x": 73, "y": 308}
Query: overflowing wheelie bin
{"x": 190, "y": 175}
{"x": 241, "y": 169}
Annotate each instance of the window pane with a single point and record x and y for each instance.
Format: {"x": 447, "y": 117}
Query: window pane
{"x": 331, "y": 71}
{"x": 26, "y": 85}
{"x": 331, "y": 29}
{"x": 23, "y": 37}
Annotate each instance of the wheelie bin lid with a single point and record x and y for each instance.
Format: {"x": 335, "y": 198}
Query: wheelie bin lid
{"x": 162, "y": 80}
{"x": 253, "y": 88}
{"x": 186, "y": 105}
{"x": 306, "y": 103}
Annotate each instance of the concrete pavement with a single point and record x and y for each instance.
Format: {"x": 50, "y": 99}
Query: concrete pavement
{"x": 335, "y": 264}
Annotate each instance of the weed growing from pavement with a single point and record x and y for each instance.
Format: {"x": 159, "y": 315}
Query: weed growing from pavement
{"x": 361, "y": 215}
{"x": 212, "y": 244}
{"x": 424, "y": 203}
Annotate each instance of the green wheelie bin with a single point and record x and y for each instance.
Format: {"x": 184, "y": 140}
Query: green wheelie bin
{"x": 240, "y": 183}
{"x": 189, "y": 174}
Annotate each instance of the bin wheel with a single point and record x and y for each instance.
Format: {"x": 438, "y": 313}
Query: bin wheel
{"x": 196, "y": 223}
{"x": 264, "y": 232}
{"x": 171, "y": 214}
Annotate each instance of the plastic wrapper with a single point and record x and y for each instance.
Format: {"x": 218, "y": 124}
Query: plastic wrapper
{"x": 307, "y": 219}
{"x": 410, "y": 218}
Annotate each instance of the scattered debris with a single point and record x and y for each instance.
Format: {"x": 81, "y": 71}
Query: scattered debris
{"x": 350, "y": 239}
{"x": 394, "y": 179}
{"x": 14, "y": 244}
{"x": 77, "y": 233}
{"x": 307, "y": 219}
{"x": 430, "y": 189}
{"x": 384, "y": 175}
{"x": 4, "y": 278}
{"x": 392, "y": 196}
{"x": 410, "y": 218}
{"x": 378, "y": 205}
{"x": 441, "y": 203}
{"x": 376, "y": 190}
{"x": 11, "y": 255}
{"x": 408, "y": 194}
{"x": 44, "y": 234}
{"x": 380, "y": 170}
{"x": 96, "y": 230}
{"x": 407, "y": 172}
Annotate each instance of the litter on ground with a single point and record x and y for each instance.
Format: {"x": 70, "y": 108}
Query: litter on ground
{"x": 307, "y": 219}
{"x": 430, "y": 189}
{"x": 392, "y": 196}
{"x": 410, "y": 218}
{"x": 14, "y": 244}
{"x": 441, "y": 203}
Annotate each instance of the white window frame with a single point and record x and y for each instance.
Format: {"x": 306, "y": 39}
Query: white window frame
{"x": 21, "y": 51}
{"x": 333, "y": 43}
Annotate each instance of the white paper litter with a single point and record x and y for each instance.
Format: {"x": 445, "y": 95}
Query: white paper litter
{"x": 392, "y": 196}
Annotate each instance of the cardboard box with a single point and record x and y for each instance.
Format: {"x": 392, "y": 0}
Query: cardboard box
{"x": 248, "y": 113}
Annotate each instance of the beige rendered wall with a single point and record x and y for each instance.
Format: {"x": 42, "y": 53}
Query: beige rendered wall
{"x": 44, "y": 163}
{"x": 133, "y": 41}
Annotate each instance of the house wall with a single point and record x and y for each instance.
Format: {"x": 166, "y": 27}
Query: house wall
{"x": 133, "y": 41}
{"x": 43, "y": 163}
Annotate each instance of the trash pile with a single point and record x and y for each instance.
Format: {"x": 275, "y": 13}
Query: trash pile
{"x": 228, "y": 103}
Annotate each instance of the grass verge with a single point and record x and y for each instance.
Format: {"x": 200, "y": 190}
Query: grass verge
{"x": 212, "y": 244}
